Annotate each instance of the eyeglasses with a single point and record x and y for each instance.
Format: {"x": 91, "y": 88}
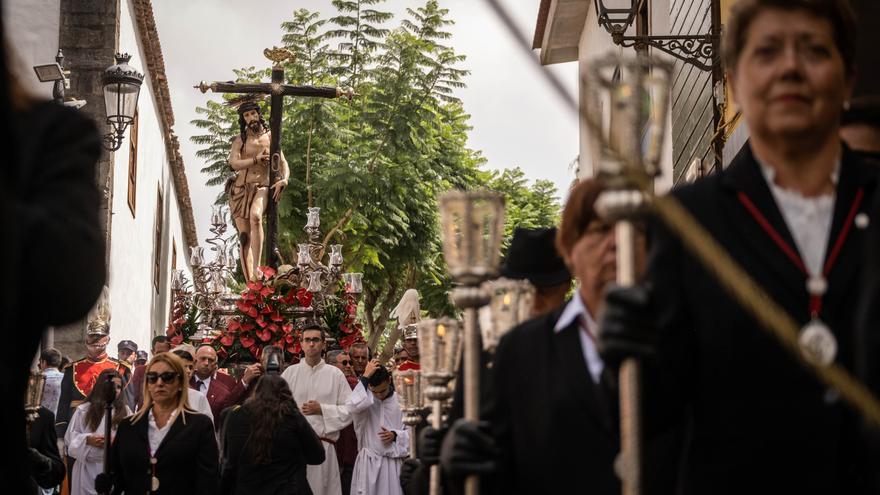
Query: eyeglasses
{"x": 312, "y": 340}
{"x": 603, "y": 229}
{"x": 345, "y": 363}
{"x": 167, "y": 377}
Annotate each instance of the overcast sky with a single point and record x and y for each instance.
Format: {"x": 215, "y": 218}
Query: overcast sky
{"x": 516, "y": 120}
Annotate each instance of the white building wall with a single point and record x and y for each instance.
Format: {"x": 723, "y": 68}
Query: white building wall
{"x": 139, "y": 311}
{"x": 32, "y": 28}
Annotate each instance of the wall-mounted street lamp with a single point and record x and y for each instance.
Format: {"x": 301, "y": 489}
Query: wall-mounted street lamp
{"x": 699, "y": 50}
{"x": 122, "y": 85}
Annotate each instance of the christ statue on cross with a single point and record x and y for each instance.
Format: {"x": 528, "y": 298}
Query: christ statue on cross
{"x": 248, "y": 193}
{"x": 257, "y": 160}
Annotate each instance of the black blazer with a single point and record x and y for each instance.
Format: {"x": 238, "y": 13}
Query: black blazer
{"x": 43, "y": 439}
{"x": 553, "y": 424}
{"x": 294, "y": 445}
{"x": 187, "y": 458}
{"x": 757, "y": 421}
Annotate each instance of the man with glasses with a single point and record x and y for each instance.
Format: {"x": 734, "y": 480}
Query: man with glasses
{"x": 347, "y": 445}
{"x": 321, "y": 391}
{"x": 553, "y": 423}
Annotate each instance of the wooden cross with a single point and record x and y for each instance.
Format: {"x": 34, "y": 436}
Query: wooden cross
{"x": 278, "y": 90}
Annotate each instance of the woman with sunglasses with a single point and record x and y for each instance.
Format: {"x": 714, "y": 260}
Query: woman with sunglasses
{"x": 166, "y": 448}
{"x": 85, "y": 435}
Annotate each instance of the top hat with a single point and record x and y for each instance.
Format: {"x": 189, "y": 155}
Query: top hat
{"x": 532, "y": 256}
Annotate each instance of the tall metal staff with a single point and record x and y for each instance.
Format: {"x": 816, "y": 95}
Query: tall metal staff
{"x": 472, "y": 226}
{"x": 109, "y": 398}
{"x": 637, "y": 91}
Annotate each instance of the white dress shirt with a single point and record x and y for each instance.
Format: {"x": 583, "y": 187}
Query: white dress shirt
{"x": 577, "y": 309}
{"x": 199, "y": 402}
{"x": 808, "y": 219}
{"x": 206, "y": 382}
{"x": 157, "y": 434}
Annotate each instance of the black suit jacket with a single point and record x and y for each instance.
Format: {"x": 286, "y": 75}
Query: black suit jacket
{"x": 868, "y": 337}
{"x": 555, "y": 426}
{"x": 42, "y": 438}
{"x": 757, "y": 421}
{"x": 187, "y": 458}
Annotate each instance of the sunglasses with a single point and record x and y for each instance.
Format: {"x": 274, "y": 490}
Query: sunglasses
{"x": 167, "y": 377}
{"x": 345, "y": 363}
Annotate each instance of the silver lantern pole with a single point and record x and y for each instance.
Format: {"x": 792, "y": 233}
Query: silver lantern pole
{"x": 409, "y": 386}
{"x": 637, "y": 90}
{"x": 438, "y": 350}
{"x": 472, "y": 226}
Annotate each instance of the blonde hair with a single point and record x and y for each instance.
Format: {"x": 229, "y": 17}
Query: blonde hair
{"x": 176, "y": 364}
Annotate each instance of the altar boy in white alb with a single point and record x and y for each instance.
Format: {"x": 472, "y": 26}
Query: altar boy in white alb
{"x": 321, "y": 392}
{"x": 382, "y": 438}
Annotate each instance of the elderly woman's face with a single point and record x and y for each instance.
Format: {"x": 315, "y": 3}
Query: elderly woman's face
{"x": 790, "y": 79}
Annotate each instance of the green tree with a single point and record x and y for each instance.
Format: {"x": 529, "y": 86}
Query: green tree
{"x": 525, "y": 206}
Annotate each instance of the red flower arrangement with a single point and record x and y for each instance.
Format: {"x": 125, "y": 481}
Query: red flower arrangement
{"x": 261, "y": 320}
{"x": 183, "y": 321}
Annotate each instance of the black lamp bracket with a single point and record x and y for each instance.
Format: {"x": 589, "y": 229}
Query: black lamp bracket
{"x": 696, "y": 49}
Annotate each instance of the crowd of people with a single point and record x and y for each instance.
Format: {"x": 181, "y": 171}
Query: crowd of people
{"x": 726, "y": 408}
{"x": 326, "y": 423}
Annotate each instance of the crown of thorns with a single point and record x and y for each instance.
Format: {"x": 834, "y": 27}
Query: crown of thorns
{"x": 246, "y": 102}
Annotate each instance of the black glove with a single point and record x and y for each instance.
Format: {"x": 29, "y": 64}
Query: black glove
{"x": 430, "y": 442}
{"x": 39, "y": 463}
{"x": 409, "y": 474}
{"x": 104, "y": 483}
{"x": 627, "y": 329}
{"x": 469, "y": 449}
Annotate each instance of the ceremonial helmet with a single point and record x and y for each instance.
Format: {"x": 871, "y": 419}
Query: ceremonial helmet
{"x": 410, "y": 332}
{"x": 99, "y": 318}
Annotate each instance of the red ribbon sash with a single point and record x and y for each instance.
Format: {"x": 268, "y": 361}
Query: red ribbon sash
{"x": 792, "y": 254}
